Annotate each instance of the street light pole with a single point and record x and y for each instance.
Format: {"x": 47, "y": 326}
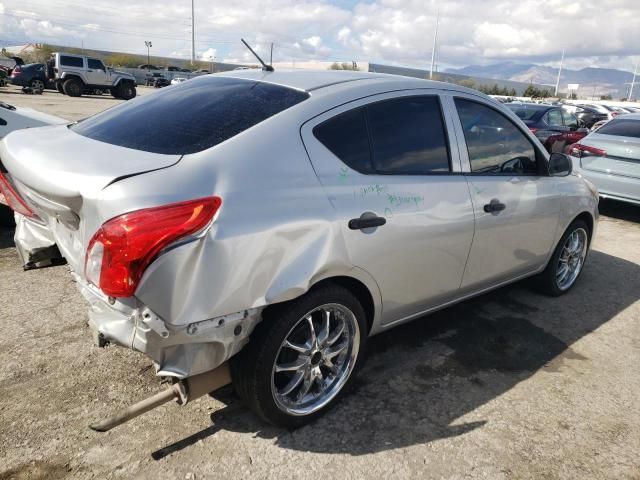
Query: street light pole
{"x": 433, "y": 49}
{"x": 633, "y": 81}
{"x": 148, "y": 45}
{"x": 559, "y": 73}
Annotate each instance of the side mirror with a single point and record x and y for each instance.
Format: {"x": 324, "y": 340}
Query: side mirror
{"x": 560, "y": 165}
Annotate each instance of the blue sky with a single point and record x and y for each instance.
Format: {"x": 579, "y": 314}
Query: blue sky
{"x": 388, "y": 31}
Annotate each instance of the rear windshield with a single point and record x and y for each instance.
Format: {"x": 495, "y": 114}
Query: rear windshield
{"x": 621, "y": 127}
{"x": 525, "y": 113}
{"x": 189, "y": 117}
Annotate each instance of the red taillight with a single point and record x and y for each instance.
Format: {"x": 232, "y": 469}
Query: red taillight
{"x": 580, "y": 151}
{"x": 533, "y": 129}
{"x": 15, "y": 71}
{"x": 123, "y": 247}
{"x": 12, "y": 199}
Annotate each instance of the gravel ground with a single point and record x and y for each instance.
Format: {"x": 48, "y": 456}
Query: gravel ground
{"x": 509, "y": 385}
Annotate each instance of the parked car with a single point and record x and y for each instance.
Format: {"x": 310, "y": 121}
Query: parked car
{"x": 178, "y": 80}
{"x": 201, "y": 71}
{"x": 602, "y": 109}
{"x": 554, "y": 126}
{"x": 148, "y": 66}
{"x": 171, "y": 68}
{"x": 15, "y": 118}
{"x": 238, "y": 220}
{"x": 151, "y": 78}
{"x": 161, "y": 82}
{"x": 185, "y": 70}
{"x": 32, "y": 75}
{"x": 589, "y": 115}
{"x": 75, "y": 75}
{"x": 610, "y": 158}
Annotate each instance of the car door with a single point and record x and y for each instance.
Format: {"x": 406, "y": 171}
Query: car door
{"x": 515, "y": 201}
{"x": 402, "y": 206}
{"x": 96, "y": 72}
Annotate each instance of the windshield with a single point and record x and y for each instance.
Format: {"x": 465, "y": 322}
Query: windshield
{"x": 523, "y": 112}
{"x": 191, "y": 116}
{"x": 621, "y": 127}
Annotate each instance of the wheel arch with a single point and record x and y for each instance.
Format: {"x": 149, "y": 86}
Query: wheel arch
{"x": 587, "y": 218}
{"x": 74, "y": 77}
{"x": 362, "y": 288}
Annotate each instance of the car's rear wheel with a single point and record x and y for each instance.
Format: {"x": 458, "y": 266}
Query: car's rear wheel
{"x": 37, "y": 84}
{"x": 567, "y": 261}
{"x": 73, "y": 87}
{"x": 301, "y": 357}
{"x": 126, "y": 91}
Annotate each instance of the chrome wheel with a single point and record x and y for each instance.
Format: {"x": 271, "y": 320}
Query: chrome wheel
{"x": 315, "y": 359}
{"x": 571, "y": 258}
{"x": 37, "y": 84}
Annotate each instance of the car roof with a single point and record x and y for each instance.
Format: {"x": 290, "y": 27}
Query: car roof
{"x": 309, "y": 80}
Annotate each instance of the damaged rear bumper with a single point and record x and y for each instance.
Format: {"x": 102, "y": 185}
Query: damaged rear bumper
{"x": 176, "y": 351}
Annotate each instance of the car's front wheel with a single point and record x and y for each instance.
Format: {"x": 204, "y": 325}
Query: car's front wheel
{"x": 126, "y": 91}
{"x": 301, "y": 357}
{"x": 567, "y": 261}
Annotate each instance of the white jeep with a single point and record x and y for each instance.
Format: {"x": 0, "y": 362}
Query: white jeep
{"x": 78, "y": 74}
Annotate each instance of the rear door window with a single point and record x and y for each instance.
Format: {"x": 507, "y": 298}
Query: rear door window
{"x": 190, "y": 117}
{"x": 569, "y": 120}
{"x": 495, "y": 145}
{"x": 400, "y": 136}
{"x": 408, "y": 136}
{"x": 67, "y": 61}
{"x": 554, "y": 118}
{"x": 346, "y": 136}
{"x": 621, "y": 127}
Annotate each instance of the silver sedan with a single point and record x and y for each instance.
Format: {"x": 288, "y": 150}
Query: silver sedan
{"x": 271, "y": 221}
{"x": 610, "y": 158}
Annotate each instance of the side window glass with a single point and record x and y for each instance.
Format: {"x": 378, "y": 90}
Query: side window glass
{"x": 570, "y": 120}
{"x": 408, "y": 136}
{"x": 495, "y": 145}
{"x": 71, "y": 61}
{"x": 345, "y": 135}
{"x": 95, "y": 64}
{"x": 554, "y": 118}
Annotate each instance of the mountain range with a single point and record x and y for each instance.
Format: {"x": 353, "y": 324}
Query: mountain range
{"x": 604, "y": 81}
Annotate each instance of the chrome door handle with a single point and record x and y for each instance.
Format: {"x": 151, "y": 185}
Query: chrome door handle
{"x": 494, "y": 206}
{"x": 366, "y": 222}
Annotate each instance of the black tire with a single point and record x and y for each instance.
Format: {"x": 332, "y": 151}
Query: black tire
{"x": 252, "y": 368}
{"x": 59, "y": 87}
{"x": 73, "y": 87}
{"x": 126, "y": 90}
{"x": 547, "y": 280}
{"x": 6, "y": 217}
{"x": 37, "y": 84}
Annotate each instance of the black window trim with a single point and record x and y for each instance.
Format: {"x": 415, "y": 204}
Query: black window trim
{"x": 541, "y": 159}
{"x": 370, "y": 138}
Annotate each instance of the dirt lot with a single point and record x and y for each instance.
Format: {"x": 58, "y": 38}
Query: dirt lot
{"x": 509, "y": 385}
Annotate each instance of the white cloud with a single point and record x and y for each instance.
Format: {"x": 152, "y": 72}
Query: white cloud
{"x": 208, "y": 54}
{"x": 599, "y": 33}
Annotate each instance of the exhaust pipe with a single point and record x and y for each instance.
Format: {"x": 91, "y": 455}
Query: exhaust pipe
{"x": 183, "y": 392}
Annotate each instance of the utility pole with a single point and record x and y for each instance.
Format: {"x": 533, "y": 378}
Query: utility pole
{"x": 633, "y": 81}
{"x": 433, "y": 49}
{"x": 559, "y": 73}
{"x": 271, "y": 56}
{"x": 193, "y": 33}
{"x": 148, "y": 45}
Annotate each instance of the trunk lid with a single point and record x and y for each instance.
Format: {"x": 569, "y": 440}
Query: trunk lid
{"x": 61, "y": 175}
{"x": 622, "y": 158}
